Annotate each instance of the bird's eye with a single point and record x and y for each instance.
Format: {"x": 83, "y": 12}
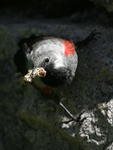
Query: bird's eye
{"x": 47, "y": 60}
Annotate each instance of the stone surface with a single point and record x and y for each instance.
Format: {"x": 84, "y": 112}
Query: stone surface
{"x": 43, "y": 8}
{"x": 31, "y": 121}
{"x": 108, "y": 5}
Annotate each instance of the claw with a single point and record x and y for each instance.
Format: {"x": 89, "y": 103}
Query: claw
{"x": 73, "y": 118}
{"x": 88, "y": 39}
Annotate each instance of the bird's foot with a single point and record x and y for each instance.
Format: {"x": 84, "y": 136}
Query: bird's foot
{"x": 77, "y": 118}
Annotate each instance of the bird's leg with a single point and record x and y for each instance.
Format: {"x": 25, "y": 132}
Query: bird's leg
{"x": 73, "y": 118}
{"x": 87, "y": 39}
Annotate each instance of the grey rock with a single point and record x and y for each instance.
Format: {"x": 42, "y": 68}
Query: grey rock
{"x": 31, "y": 121}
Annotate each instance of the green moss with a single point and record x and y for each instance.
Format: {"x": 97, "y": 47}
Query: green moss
{"x": 34, "y": 122}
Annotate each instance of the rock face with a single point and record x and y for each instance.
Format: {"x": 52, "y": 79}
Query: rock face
{"x": 104, "y": 3}
{"x": 31, "y": 121}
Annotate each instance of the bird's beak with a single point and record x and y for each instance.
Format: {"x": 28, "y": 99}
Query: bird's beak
{"x": 36, "y": 71}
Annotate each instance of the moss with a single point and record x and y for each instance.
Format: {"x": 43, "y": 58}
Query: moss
{"x": 104, "y": 3}
{"x": 34, "y": 122}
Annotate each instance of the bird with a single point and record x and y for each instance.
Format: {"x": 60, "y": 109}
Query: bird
{"x": 49, "y": 63}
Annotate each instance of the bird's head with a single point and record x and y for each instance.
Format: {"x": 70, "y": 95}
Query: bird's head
{"x": 49, "y": 54}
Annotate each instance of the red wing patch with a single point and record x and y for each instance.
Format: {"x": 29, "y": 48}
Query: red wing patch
{"x": 69, "y": 48}
{"x": 48, "y": 91}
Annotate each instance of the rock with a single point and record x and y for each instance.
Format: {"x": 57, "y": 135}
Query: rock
{"x": 31, "y": 121}
{"x": 108, "y": 5}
